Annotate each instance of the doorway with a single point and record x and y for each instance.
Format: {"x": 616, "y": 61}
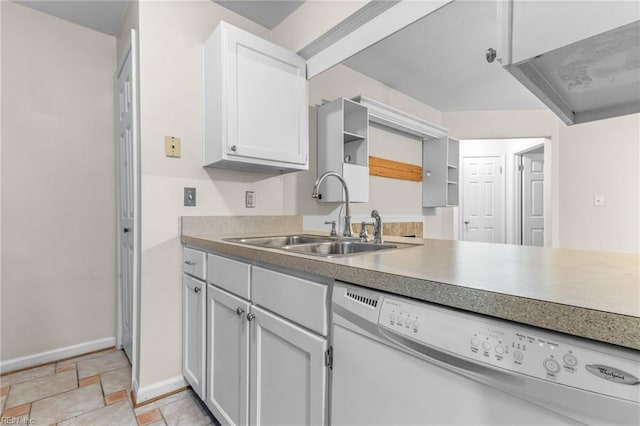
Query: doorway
{"x": 531, "y": 196}
{"x": 128, "y": 202}
{"x": 492, "y": 200}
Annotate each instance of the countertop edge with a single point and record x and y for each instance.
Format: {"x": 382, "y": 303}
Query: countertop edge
{"x": 617, "y": 329}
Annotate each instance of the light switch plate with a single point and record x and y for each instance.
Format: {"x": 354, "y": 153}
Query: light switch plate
{"x": 172, "y": 146}
{"x": 250, "y": 199}
{"x": 189, "y": 197}
{"x": 598, "y": 200}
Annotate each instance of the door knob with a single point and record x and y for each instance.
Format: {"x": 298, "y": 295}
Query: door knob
{"x": 466, "y": 222}
{"x": 239, "y": 310}
{"x": 196, "y": 289}
{"x": 250, "y": 316}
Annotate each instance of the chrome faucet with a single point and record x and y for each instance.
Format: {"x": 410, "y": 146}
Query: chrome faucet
{"x": 347, "y": 211}
{"x": 377, "y": 227}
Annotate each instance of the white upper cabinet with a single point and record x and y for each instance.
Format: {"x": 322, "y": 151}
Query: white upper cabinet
{"x": 343, "y": 147}
{"x": 578, "y": 57}
{"x": 255, "y": 104}
{"x": 541, "y": 26}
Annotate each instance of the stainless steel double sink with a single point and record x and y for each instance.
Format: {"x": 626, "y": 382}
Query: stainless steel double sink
{"x": 319, "y": 246}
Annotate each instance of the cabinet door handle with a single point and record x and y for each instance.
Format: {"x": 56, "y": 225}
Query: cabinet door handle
{"x": 466, "y": 222}
{"x": 239, "y": 311}
{"x": 189, "y": 262}
{"x": 125, "y": 230}
{"x": 196, "y": 289}
{"x": 250, "y": 316}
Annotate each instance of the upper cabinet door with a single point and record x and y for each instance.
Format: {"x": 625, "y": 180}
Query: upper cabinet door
{"x": 256, "y": 112}
{"x": 539, "y": 27}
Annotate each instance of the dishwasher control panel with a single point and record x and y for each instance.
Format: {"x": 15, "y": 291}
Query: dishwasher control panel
{"x": 522, "y": 349}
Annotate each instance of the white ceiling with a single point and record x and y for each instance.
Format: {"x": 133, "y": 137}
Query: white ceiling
{"x": 99, "y": 15}
{"x": 440, "y": 60}
{"x": 268, "y": 13}
{"x": 108, "y": 16}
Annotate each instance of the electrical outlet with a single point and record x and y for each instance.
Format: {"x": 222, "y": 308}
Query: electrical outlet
{"x": 598, "y": 200}
{"x": 172, "y": 146}
{"x": 250, "y": 199}
{"x": 189, "y": 197}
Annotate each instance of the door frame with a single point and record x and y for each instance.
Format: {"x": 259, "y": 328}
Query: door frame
{"x": 502, "y": 156}
{"x": 133, "y": 51}
{"x": 517, "y": 199}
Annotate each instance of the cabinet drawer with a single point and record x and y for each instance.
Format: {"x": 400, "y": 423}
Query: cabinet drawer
{"x": 230, "y": 275}
{"x": 297, "y": 299}
{"x": 193, "y": 263}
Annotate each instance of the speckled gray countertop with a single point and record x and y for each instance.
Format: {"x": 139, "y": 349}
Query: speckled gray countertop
{"x": 583, "y": 293}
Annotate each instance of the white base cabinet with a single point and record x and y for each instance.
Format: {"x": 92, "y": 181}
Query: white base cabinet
{"x": 194, "y": 305}
{"x": 288, "y": 375}
{"x": 227, "y": 356}
{"x": 193, "y": 332}
{"x": 265, "y": 342}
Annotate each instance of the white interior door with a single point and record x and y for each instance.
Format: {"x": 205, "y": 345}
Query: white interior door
{"x": 128, "y": 183}
{"x": 483, "y": 199}
{"x": 533, "y": 200}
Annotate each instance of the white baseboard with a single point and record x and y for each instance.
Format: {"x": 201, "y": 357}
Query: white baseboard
{"x": 157, "y": 389}
{"x": 56, "y": 354}
{"x": 134, "y": 385}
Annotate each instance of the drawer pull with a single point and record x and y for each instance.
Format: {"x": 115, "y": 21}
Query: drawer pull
{"x": 239, "y": 311}
{"x": 189, "y": 262}
{"x": 196, "y": 289}
{"x": 250, "y": 316}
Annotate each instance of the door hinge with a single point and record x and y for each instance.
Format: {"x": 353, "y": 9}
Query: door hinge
{"x": 328, "y": 357}
{"x": 521, "y": 167}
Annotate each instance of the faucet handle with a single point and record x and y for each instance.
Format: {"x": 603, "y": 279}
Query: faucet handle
{"x": 377, "y": 227}
{"x": 363, "y": 230}
{"x": 334, "y": 233}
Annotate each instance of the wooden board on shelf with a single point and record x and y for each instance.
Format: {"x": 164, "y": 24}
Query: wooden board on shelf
{"x": 394, "y": 169}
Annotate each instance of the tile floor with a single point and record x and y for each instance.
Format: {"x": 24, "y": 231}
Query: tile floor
{"x": 91, "y": 389}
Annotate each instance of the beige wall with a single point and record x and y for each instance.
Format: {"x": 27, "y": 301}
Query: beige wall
{"x": 58, "y": 184}
{"x": 171, "y": 38}
{"x": 586, "y": 159}
{"x": 600, "y": 158}
{"x": 392, "y": 197}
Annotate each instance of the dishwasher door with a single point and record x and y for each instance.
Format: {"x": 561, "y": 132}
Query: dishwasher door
{"x": 379, "y": 378}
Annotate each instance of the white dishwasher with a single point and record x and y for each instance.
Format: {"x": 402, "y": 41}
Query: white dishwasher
{"x": 398, "y": 361}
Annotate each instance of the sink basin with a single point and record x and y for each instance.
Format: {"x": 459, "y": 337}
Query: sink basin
{"x": 317, "y": 245}
{"x": 342, "y": 248}
{"x": 281, "y": 240}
